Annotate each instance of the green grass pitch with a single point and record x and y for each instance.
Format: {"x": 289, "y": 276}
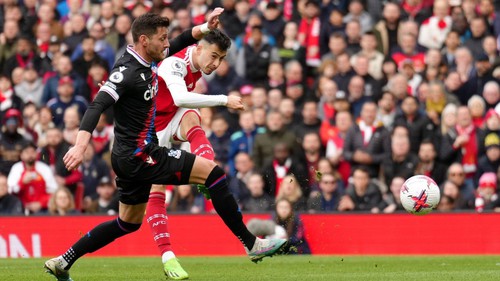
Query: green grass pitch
{"x": 352, "y": 268}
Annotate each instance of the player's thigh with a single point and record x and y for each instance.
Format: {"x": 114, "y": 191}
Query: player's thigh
{"x": 202, "y": 167}
{"x": 170, "y": 166}
{"x": 165, "y": 136}
{"x": 158, "y": 188}
{"x": 132, "y": 213}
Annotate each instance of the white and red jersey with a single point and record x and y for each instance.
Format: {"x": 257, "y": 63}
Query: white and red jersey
{"x": 177, "y": 77}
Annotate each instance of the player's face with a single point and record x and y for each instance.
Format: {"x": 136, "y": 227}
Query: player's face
{"x": 210, "y": 57}
{"x": 157, "y": 44}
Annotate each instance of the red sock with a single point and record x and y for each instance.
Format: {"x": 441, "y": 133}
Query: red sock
{"x": 157, "y": 219}
{"x": 200, "y": 145}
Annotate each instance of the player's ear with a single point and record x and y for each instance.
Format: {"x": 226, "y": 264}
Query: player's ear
{"x": 143, "y": 40}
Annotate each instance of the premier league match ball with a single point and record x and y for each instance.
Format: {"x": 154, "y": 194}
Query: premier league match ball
{"x": 420, "y": 195}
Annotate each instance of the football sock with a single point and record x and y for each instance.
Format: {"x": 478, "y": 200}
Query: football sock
{"x": 167, "y": 256}
{"x": 157, "y": 220}
{"x": 226, "y": 206}
{"x": 97, "y": 238}
{"x": 200, "y": 145}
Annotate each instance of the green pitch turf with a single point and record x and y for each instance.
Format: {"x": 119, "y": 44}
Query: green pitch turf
{"x": 331, "y": 268}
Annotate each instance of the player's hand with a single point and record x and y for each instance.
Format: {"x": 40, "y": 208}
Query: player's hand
{"x": 213, "y": 18}
{"x": 101, "y": 84}
{"x": 234, "y": 102}
{"x": 74, "y": 157}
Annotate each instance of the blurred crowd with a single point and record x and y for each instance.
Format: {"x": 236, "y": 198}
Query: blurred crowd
{"x": 345, "y": 100}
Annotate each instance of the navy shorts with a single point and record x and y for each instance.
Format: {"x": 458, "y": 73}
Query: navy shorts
{"x": 161, "y": 165}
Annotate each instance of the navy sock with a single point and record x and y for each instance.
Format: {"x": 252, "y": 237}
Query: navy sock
{"x": 97, "y": 238}
{"x": 226, "y": 206}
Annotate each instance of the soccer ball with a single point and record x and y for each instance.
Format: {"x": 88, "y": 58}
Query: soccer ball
{"x": 419, "y": 195}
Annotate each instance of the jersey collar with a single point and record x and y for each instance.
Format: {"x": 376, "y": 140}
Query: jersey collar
{"x": 141, "y": 60}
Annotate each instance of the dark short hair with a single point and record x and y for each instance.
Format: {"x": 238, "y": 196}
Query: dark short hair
{"x": 219, "y": 38}
{"x": 148, "y": 24}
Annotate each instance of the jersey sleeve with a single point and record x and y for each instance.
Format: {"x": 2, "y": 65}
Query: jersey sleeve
{"x": 117, "y": 82}
{"x": 173, "y": 70}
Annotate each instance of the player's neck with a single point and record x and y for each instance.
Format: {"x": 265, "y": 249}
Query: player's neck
{"x": 141, "y": 51}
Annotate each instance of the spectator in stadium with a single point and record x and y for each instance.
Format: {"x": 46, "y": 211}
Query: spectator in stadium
{"x": 309, "y": 120}
{"x": 492, "y": 122}
{"x": 224, "y": 80}
{"x": 367, "y": 143}
{"x": 242, "y": 140}
{"x": 479, "y": 30}
{"x": 273, "y": 21}
{"x": 283, "y": 163}
{"x": 62, "y": 203}
{"x": 490, "y": 49}
{"x": 42, "y": 125}
{"x": 24, "y": 56}
{"x": 275, "y": 133}
{"x": 437, "y": 99}
{"x": 235, "y": 17}
{"x": 287, "y": 217}
{"x": 11, "y": 141}
{"x": 65, "y": 99}
{"x": 419, "y": 125}
{"x": 386, "y": 112}
{"x": 409, "y": 50}
{"x": 291, "y": 190}
{"x": 327, "y": 200}
{"x": 333, "y": 140}
{"x": 31, "y": 87}
{"x": 275, "y": 97}
{"x": 32, "y": 181}
{"x": 220, "y": 139}
{"x": 434, "y": 29}
{"x": 428, "y": 164}
{"x": 393, "y": 198}
{"x": 490, "y": 162}
{"x": 373, "y": 87}
{"x": 416, "y": 10}
{"x": 456, "y": 174}
{"x": 255, "y": 56}
{"x": 487, "y": 197}
{"x": 362, "y": 194}
{"x": 467, "y": 73}
{"x": 345, "y": 72}
{"x": 484, "y": 70}
{"x": 8, "y": 40}
{"x": 451, "y": 44}
{"x": 353, "y": 37}
{"x": 88, "y": 57}
{"x": 185, "y": 200}
{"x": 94, "y": 169}
{"x": 327, "y": 89}
{"x": 464, "y": 143}
{"x": 356, "y": 12}
{"x": 386, "y": 30}
{"x": 117, "y": 37}
{"x": 71, "y": 124}
{"x": 313, "y": 150}
{"x": 369, "y": 50}
{"x": 477, "y": 109}
{"x": 106, "y": 201}
{"x": 47, "y": 15}
{"x": 491, "y": 94}
{"x": 8, "y": 98}
{"x": 101, "y": 46}
{"x": 9, "y": 203}
{"x": 357, "y": 95}
{"x": 78, "y": 31}
{"x": 308, "y": 36}
{"x": 238, "y": 184}
{"x": 96, "y": 74}
{"x": 258, "y": 201}
{"x": 451, "y": 190}
{"x": 401, "y": 161}
{"x": 334, "y": 25}
{"x": 64, "y": 68}
{"x": 258, "y": 97}
{"x": 337, "y": 45}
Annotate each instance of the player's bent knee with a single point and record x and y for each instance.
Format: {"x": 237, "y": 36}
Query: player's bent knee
{"x": 215, "y": 175}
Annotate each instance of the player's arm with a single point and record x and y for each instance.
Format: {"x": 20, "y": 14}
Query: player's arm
{"x": 173, "y": 70}
{"x": 191, "y": 36}
{"x": 74, "y": 157}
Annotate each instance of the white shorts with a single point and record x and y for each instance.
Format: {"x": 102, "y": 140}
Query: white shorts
{"x": 172, "y": 133}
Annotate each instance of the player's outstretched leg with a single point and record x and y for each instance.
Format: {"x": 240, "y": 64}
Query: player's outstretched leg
{"x": 156, "y": 217}
{"x": 95, "y": 239}
{"x": 227, "y": 208}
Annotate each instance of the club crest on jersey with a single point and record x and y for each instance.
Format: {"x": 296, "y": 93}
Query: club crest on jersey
{"x": 175, "y": 153}
{"x": 116, "y": 77}
{"x": 177, "y": 65}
